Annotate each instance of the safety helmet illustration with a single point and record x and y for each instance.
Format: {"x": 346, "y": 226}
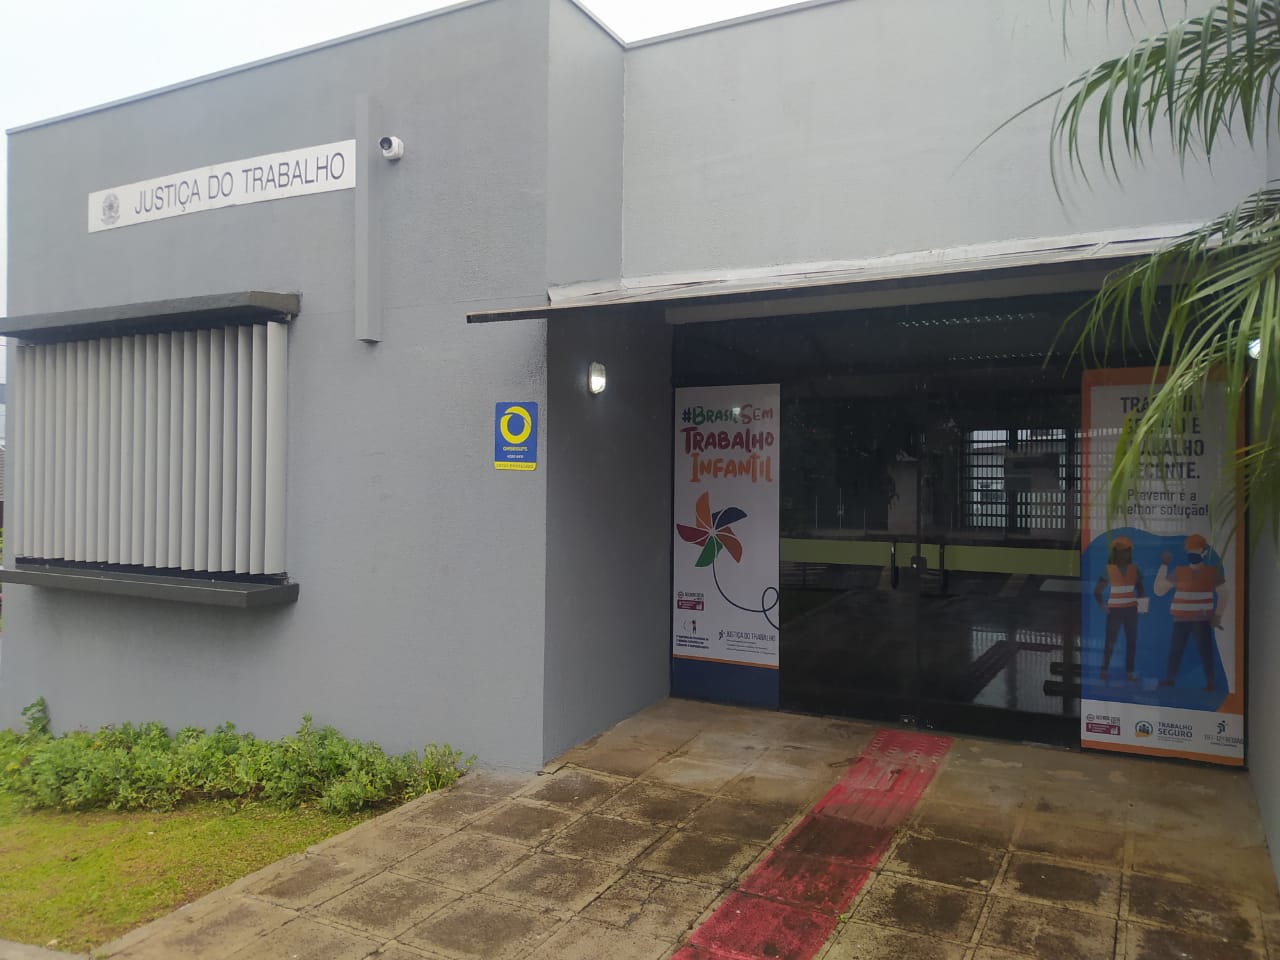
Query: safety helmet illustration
{"x": 1196, "y": 544}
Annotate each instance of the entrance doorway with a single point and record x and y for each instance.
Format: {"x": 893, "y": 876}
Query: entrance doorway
{"x": 930, "y": 555}
{"x": 929, "y": 509}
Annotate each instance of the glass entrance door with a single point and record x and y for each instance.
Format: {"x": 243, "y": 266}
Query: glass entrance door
{"x": 930, "y": 555}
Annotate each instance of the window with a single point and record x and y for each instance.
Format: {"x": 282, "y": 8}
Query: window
{"x": 152, "y": 452}
{"x": 1026, "y": 479}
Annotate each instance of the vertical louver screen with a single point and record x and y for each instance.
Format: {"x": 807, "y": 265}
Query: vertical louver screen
{"x": 158, "y": 450}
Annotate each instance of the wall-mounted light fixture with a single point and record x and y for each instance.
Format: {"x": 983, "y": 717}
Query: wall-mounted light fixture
{"x": 596, "y": 377}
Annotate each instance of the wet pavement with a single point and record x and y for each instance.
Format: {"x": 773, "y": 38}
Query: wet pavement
{"x": 689, "y": 821}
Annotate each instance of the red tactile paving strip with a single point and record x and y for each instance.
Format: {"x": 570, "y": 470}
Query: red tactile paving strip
{"x": 787, "y": 907}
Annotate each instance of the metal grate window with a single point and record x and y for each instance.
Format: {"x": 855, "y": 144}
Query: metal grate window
{"x": 1026, "y": 479}
{"x": 156, "y": 451}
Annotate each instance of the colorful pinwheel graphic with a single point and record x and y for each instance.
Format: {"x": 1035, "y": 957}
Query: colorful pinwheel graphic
{"x": 712, "y": 531}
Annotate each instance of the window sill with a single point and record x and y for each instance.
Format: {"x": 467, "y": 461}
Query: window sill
{"x": 214, "y": 593}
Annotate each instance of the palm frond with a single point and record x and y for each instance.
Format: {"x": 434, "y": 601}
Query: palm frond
{"x": 1204, "y": 78}
{"x": 1198, "y": 305}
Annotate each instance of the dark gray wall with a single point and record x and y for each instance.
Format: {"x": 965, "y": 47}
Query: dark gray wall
{"x": 421, "y": 567}
{"x": 609, "y": 523}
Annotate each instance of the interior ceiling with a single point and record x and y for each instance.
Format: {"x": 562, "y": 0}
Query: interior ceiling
{"x": 838, "y": 354}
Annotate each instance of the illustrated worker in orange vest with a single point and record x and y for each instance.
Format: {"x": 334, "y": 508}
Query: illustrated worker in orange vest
{"x": 1195, "y": 586}
{"x": 1121, "y": 606}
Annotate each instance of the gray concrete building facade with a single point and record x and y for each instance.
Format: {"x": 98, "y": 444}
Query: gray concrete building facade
{"x": 692, "y": 210}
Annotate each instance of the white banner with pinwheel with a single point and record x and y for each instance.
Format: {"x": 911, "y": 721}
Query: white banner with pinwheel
{"x": 726, "y": 479}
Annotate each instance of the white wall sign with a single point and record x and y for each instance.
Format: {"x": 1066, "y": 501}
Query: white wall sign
{"x": 726, "y": 480}
{"x": 272, "y": 176}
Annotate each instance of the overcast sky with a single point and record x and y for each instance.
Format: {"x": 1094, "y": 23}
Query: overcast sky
{"x": 58, "y": 56}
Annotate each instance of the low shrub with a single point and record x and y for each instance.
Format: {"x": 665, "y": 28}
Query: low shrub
{"x": 141, "y": 766}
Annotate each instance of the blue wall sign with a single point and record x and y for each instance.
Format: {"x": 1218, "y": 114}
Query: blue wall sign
{"x": 515, "y": 436}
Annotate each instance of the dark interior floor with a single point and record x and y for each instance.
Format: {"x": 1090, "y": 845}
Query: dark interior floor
{"x": 951, "y": 656}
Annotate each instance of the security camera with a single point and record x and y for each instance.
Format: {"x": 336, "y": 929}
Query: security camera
{"x": 392, "y": 147}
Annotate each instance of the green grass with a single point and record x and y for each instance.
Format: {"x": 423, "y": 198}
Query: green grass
{"x": 85, "y": 878}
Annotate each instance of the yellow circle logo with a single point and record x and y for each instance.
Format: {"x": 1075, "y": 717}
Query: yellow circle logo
{"x": 526, "y": 424}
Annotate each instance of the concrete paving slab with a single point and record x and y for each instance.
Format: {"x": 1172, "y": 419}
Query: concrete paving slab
{"x": 1042, "y": 930}
{"x": 493, "y": 783}
{"x": 302, "y": 937}
{"x": 757, "y": 822}
{"x": 946, "y": 861}
{"x": 868, "y": 941}
{"x": 398, "y": 951}
{"x": 971, "y": 788}
{"x": 701, "y": 857}
{"x": 983, "y": 826}
{"x": 464, "y": 861}
{"x": 385, "y": 905}
{"x": 607, "y": 839}
{"x": 446, "y": 809}
{"x": 1205, "y": 910}
{"x": 524, "y": 821}
{"x": 311, "y": 880}
{"x": 384, "y": 843}
{"x": 1069, "y": 885}
{"x": 653, "y": 728}
{"x": 651, "y": 905}
{"x": 699, "y": 776}
{"x": 482, "y": 928}
{"x": 649, "y": 802}
{"x": 1041, "y": 834}
{"x": 1271, "y": 934}
{"x": 1156, "y": 943}
{"x": 727, "y": 747}
{"x": 586, "y": 940}
{"x": 574, "y": 790}
{"x": 800, "y": 763}
{"x": 21, "y": 951}
{"x": 996, "y": 953}
{"x": 229, "y": 926}
{"x": 1077, "y": 806}
{"x": 1244, "y": 870}
{"x": 928, "y": 909}
{"x": 626, "y": 756}
{"x": 762, "y": 787}
{"x": 550, "y": 882}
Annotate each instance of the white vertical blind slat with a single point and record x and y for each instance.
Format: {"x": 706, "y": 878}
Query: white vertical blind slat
{"x": 213, "y": 508}
{"x": 102, "y": 485}
{"x": 38, "y": 480}
{"x": 230, "y": 361}
{"x": 277, "y": 336}
{"x": 163, "y": 412}
{"x": 63, "y": 436}
{"x": 79, "y": 512}
{"x": 201, "y": 461}
{"x": 137, "y": 540}
{"x": 88, "y": 541}
{"x": 244, "y": 438}
{"x": 187, "y": 524}
{"x": 174, "y": 551}
{"x": 258, "y": 494}
{"x": 115, "y": 446}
